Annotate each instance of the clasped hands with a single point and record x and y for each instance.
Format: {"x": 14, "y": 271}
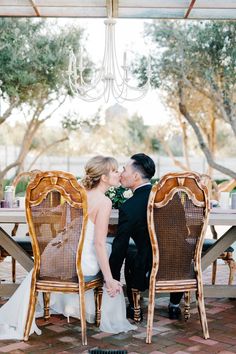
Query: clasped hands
{"x": 113, "y": 287}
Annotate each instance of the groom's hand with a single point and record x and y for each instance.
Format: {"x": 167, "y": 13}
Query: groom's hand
{"x": 113, "y": 287}
{"x": 112, "y": 230}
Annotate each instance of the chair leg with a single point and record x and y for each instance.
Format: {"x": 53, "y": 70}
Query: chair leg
{"x": 187, "y": 297}
{"x": 98, "y": 302}
{"x": 82, "y": 316}
{"x": 13, "y": 269}
{"x": 46, "y": 302}
{"x": 202, "y": 311}
{"x": 214, "y": 265}
{"x": 232, "y": 267}
{"x": 213, "y": 275}
{"x": 14, "y": 230}
{"x": 30, "y": 314}
{"x": 137, "y": 309}
{"x": 150, "y": 316}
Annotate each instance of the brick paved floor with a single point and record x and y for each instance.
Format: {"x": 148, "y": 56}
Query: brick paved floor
{"x": 168, "y": 336}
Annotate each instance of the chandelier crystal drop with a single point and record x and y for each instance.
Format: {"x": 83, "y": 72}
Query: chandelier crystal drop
{"x": 110, "y": 79}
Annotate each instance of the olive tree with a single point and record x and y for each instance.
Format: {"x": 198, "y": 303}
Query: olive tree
{"x": 194, "y": 64}
{"x": 33, "y": 73}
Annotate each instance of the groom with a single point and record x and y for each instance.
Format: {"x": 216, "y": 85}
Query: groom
{"x": 133, "y": 224}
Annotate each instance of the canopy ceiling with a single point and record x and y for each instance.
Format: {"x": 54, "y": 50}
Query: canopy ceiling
{"x": 158, "y": 9}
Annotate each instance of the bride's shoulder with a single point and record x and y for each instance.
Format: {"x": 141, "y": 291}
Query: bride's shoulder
{"x": 106, "y": 201}
{"x": 104, "y": 204}
{"x": 98, "y": 200}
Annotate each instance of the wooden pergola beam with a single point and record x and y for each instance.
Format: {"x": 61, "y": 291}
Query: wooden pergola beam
{"x": 35, "y": 8}
{"x": 190, "y": 8}
{"x": 115, "y": 6}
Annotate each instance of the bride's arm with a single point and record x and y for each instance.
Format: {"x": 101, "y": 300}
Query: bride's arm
{"x": 101, "y": 229}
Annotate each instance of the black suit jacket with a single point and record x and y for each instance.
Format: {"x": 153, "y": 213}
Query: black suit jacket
{"x": 133, "y": 224}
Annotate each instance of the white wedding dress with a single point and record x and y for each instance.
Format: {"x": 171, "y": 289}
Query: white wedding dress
{"x": 113, "y": 310}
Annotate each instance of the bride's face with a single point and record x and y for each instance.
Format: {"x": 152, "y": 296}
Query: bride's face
{"x": 113, "y": 178}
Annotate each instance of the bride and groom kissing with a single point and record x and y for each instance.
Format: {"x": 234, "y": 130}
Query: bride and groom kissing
{"x": 132, "y": 224}
{"x": 100, "y": 174}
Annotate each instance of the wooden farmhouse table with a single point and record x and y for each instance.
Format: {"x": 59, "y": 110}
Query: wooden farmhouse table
{"x": 217, "y": 217}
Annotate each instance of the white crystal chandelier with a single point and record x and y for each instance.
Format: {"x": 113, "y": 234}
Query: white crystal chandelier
{"x": 110, "y": 79}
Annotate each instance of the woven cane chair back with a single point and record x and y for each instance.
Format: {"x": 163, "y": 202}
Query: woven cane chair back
{"x": 57, "y": 216}
{"x": 56, "y": 210}
{"x": 177, "y": 214}
{"x": 178, "y": 210}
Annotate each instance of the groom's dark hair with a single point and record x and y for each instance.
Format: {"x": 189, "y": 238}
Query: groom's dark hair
{"x": 144, "y": 165}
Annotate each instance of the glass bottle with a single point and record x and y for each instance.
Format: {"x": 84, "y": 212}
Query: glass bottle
{"x": 9, "y": 196}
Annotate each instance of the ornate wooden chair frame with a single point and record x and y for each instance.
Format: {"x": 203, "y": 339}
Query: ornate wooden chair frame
{"x": 75, "y": 195}
{"x": 161, "y": 194}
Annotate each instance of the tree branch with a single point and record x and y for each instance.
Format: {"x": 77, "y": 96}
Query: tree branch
{"x": 176, "y": 162}
{"x": 8, "y": 111}
{"x": 54, "y": 110}
{"x": 201, "y": 142}
{"x": 47, "y": 147}
{"x": 8, "y": 168}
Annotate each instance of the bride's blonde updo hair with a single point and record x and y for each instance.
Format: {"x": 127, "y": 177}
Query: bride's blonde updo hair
{"x": 95, "y": 168}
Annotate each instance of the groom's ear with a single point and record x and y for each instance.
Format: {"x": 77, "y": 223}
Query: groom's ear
{"x": 137, "y": 176}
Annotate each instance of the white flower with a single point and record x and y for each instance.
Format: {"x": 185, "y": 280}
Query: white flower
{"x": 112, "y": 194}
{"x": 111, "y": 189}
{"x": 127, "y": 194}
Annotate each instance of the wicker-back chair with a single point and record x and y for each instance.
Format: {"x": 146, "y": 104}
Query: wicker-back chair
{"x": 56, "y": 210}
{"x": 177, "y": 219}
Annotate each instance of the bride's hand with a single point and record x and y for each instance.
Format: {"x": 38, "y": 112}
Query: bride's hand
{"x": 113, "y": 287}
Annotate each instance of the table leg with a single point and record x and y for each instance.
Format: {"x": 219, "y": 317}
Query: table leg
{"x": 15, "y": 250}
{"x": 220, "y": 245}
{"x": 219, "y": 291}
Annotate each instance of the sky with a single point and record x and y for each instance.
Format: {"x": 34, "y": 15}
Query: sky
{"x": 128, "y": 38}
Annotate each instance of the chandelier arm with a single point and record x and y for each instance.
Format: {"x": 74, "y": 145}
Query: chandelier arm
{"x": 143, "y": 87}
{"x": 76, "y": 90}
{"x": 133, "y": 99}
{"x": 89, "y": 98}
{"x": 118, "y": 90}
{"x": 114, "y": 55}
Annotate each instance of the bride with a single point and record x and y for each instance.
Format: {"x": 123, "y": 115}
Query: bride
{"x": 100, "y": 174}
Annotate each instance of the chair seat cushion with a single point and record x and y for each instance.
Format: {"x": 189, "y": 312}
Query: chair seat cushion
{"x": 208, "y": 242}
{"x": 24, "y": 242}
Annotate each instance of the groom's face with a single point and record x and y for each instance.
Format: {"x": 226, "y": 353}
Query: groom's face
{"x": 128, "y": 175}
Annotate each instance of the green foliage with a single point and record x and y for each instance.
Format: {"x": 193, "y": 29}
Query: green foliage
{"x": 154, "y": 180}
{"x": 73, "y": 122}
{"x": 34, "y": 57}
{"x": 196, "y": 61}
{"x": 218, "y": 181}
{"x": 21, "y": 187}
{"x": 155, "y": 144}
{"x": 204, "y": 51}
{"x": 6, "y": 182}
{"x": 137, "y": 129}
